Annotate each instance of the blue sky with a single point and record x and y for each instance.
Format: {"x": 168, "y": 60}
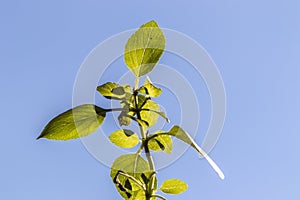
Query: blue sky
{"x": 255, "y": 45}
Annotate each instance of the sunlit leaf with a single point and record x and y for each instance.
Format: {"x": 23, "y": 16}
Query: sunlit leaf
{"x": 144, "y": 48}
{"x": 74, "y": 123}
{"x": 113, "y": 90}
{"x": 185, "y": 137}
{"x": 149, "y": 89}
{"x": 173, "y": 186}
{"x": 143, "y": 123}
{"x": 150, "y": 111}
{"x": 161, "y": 143}
{"x": 124, "y": 138}
{"x": 133, "y": 165}
{"x": 148, "y": 116}
{"x": 162, "y": 114}
{"x": 140, "y": 195}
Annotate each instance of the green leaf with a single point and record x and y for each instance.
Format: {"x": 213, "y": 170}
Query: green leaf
{"x": 173, "y": 186}
{"x": 74, "y": 123}
{"x": 150, "y": 111}
{"x": 140, "y": 195}
{"x": 149, "y": 89}
{"x": 179, "y": 133}
{"x": 143, "y": 123}
{"x": 113, "y": 90}
{"x": 124, "y": 138}
{"x": 144, "y": 48}
{"x": 150, "y": 116}
{"x": 161, "y": 143}
{"x": 133, "y": 165}
{"x": 162, "y": 114}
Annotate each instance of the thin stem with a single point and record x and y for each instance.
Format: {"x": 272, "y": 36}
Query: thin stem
{"x": 157, "y": 134}
{"x": 114, "y": 109}
{"x": 143, "y": 134}
{"x": 136, "y": 157}
{"x": 140, "y": 149}
{"x": 149, "y": 157}
{"x": 137, "y": 120}
{"x": 145, "y": 146}
{"x": 136, "y": 83}
{"x": 144, "y": 138}
{"x": 133, "y": 179}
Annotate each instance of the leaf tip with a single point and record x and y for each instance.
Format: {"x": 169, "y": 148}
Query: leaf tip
{"x": 40, "y": 136}
{"x": 152, "y": 23}
{"x": 222, "y": 176}
{"x": 215, "y": 166}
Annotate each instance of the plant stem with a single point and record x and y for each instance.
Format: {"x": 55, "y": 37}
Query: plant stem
{"x": 136, "y": 157}
{"x": 113, "y": 109}
{"x": 133, "y": 179}
{"x": 144, "y": 137}
{"x": 145, "y": 146}
{"x": 136, "y": 83}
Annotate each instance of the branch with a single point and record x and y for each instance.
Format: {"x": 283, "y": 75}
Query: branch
{"x": 131, "y": 178}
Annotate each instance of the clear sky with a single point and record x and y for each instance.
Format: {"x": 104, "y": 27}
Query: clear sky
{"x": 255, "y": 45}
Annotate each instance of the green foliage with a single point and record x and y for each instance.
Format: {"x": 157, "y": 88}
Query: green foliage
{"x": 113, "y": 90}
{"x": 124, "y": 138}
{"x": 144, "y": 48}
{"x": 148, "y": 116}
{"x": 173, "y": 186}
{"x": 130, "y": 174}
{"x": 161, "y": 143}
{"x": 149, "y": 89}
{"x": 74, "y": 123}
{"x": 134, "y": 177}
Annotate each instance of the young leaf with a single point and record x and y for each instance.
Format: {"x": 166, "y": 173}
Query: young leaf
{"x": 130, "y": 163}
{"x": 150, "y": 116}
{"x": 124, "y": 138}
{"x": 149, "y": 89}
{"x": 144, "y": 48}
{"x": 133, "y": 165}
{"x": 161, "y": 113}
{"x": 178, "y": 132}
{"x": 113, "y": 90}
{"x": 74, "y": 123}
{"x": 161, "y": 143}
{"x": 173, "y": 186}
{"x": 150, "y": 110}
